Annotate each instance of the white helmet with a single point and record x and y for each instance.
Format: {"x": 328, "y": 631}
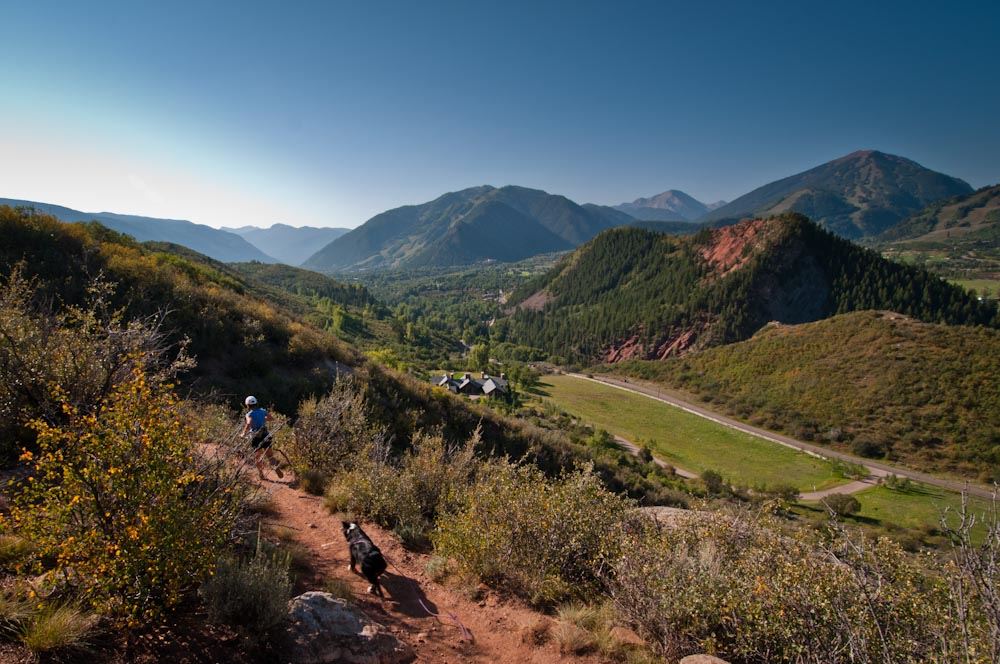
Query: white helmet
{"x": 251, "y": 401}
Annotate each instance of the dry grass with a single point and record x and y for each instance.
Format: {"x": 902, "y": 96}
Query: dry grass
{"x": 59, "y": 629}
{"x": 13, "y": 549}
{"x": 437, "y": 568}
{"x": 339, "y": 588}
{"x": 538, "y": 632}
{"x": 573, "y": 640}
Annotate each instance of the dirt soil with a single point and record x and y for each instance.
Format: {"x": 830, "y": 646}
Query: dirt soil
{"x": 496, "y": 624}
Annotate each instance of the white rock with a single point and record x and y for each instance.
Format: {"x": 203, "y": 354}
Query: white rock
{"x": 323, "y": 629}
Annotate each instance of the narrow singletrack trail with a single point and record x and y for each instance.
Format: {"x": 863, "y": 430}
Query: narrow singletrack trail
{"x": 496, "y": 624}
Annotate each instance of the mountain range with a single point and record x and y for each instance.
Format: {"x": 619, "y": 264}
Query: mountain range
{"x": 289, "y": 244}
{"x": 480, "y": 223}
{"x": 218, "y": 244}
{"x": 671, "y": 205}
{"x": 858, "y": 195}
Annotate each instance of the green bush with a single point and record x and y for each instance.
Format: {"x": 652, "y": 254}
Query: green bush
{"x": 250, "y": 594}
{"x": 408, "y": 493}
{"x": 750, "y": 591}
{"x": 331, "y": 432}
{"x": 313, "y": 482}
{"x": 842, "y": 504}
{"x": 545, "y": 539}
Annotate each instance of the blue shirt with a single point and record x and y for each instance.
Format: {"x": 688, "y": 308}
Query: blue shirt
{"x": 257, "y": 416}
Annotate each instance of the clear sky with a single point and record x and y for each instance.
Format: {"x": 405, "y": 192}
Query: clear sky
{"x": 325, "y": 113}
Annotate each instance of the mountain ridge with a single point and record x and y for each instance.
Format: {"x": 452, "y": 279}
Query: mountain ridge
{"x": 467, "y": 226}
{"x": 291, "y": 245}
{"x": 215, "y": 243}
{"x": 860, "y": 194}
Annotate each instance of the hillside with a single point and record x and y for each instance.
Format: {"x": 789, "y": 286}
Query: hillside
{"x": 245, "y": 342}
{"x": 464, "y": 227}
{"x": 632, "y": 293}
{"x": 872, "y": 383}
{"x": 858, "y": 195}
{"x": 218, "y": 244}
{"x": 958, "y": 238}
{"x": 289, "y": 244}
{"x": 671, "y": 205}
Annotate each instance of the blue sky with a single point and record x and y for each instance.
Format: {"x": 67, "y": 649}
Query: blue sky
{"x": 326, "y": 113}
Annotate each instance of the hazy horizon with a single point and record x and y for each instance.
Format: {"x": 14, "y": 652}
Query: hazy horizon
{"x": 325, "y": 115}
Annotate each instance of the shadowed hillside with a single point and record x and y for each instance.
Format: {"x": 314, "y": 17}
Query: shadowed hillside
{"x": 468, "y": 226}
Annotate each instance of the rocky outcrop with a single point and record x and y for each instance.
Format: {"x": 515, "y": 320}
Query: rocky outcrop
{"x": 324, "y": 629}
{"x": 702, "y": 659}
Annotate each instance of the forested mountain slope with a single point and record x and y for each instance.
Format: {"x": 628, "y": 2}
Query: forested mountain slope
{"x": 507, "y": 224}
{"x": 873, "y": 383}
{"x": 631, "y": 293}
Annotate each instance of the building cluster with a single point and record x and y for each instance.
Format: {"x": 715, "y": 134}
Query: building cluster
{"x": 486, "y": 385}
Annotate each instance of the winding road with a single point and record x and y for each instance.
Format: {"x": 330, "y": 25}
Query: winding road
{"x": 876, "y": 469}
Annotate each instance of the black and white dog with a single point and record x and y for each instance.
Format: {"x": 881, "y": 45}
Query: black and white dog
{"x": 364, "y": 553}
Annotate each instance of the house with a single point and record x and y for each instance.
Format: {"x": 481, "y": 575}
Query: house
{"x": 486, "y": 385}
{"x": 494, "y": 386}
{"x": 448, "y": 383}
{"x": 469, "y": 385}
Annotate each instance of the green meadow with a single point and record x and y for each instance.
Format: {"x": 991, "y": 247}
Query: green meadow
{"x": 688, "y": 441}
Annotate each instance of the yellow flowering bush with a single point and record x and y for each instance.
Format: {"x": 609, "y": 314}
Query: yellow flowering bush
{"x": 119, "y": 504}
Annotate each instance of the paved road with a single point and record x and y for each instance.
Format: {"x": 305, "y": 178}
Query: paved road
{"x": 875, "y": 468}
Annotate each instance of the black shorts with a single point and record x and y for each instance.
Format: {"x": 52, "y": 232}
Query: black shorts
{"x": 261, "y": 440}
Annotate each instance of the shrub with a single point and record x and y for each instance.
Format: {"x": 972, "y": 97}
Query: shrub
{"x": 868, "y": 448}
{"x": 331, "y": 432}
{"x": 250, "y": 594}
{"x": 714, "y": 483}
{"x": 120, "y": 504}
{"x": 74, "y": 358}
{"x": 437, "y": 568}
{"x": 406, "y": 494}
{"x": 313, "y": 482}
{"x": 842, "y": 504}
{"x": 544, "y": 539}
{"x": 748, "y": 591}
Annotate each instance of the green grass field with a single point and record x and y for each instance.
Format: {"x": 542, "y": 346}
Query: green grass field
{"x": 919, "y": 507}
{"x": 992, "y": 286}
{"x": 689, "y": 441}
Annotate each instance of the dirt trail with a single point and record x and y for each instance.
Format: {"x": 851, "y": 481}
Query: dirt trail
{"x": 496, "y": 624}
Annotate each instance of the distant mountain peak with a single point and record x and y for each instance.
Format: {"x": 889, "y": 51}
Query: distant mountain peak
{"x": 670, "y": 205}
{"x": 857, "y": 195}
